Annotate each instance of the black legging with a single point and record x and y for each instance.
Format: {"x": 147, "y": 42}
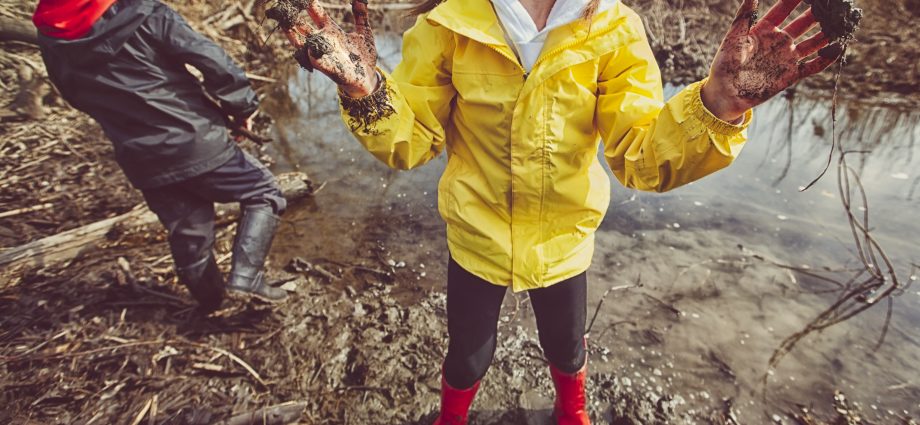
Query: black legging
{"x": 473, "y": 307}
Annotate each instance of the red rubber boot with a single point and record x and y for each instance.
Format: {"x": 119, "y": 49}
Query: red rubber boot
{"x": 455, "y": 404}
{"x": 570, "y": 396}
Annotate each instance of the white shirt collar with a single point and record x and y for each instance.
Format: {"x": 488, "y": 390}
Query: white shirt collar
{"x": 519, "y": 26}
{"x": 521, "y": 31}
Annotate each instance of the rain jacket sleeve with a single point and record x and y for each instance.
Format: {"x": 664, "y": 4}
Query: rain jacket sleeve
{"x": 223, "y": 79}
{"x": 420, "y": 93}
{"x": 652, "y": 145}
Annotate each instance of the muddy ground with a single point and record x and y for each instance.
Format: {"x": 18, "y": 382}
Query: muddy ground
{"x": 110, "y": 337}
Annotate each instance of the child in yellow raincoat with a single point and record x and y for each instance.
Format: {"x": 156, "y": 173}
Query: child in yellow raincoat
{"x": 519, "y": 93}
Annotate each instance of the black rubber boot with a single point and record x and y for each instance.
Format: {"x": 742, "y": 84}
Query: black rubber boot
{"x": 253, "y": 241}
{"x": 204, "y": 281}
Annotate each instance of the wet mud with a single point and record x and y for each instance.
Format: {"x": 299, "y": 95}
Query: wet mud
{"x": 757, "y": 79}
{"x": 317, "y": 45}
{"x": 364, "y": 112}
{"x": 286, "y": 12}
{"x": 832, "y": 51}
{"x": 302, "y": 57}
{"x": 839, "y": 19}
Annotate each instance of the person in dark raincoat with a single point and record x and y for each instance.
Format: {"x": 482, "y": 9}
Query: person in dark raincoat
{"x": 124, "y": 63}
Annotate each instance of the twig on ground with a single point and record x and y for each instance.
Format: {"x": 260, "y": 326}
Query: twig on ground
{"x": 232, "y": 357}
{"x": 25, "y": 210}
{"x": 597, "y": 310}
{"x": 142, "y": 413}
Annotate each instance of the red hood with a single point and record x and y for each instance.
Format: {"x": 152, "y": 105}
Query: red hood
{"x": 68, "y": 19}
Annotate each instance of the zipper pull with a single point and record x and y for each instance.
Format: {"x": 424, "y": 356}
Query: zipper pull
{"x": 526, "y": 74}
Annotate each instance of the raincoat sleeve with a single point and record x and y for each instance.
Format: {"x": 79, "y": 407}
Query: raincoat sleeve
{"x": 417, "y": 97}
{"x": 223, "y": 79}
{"x": 652, "y": 145}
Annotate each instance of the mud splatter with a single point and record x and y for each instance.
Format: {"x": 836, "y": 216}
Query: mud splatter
{"x": 832, "y": 51}
{"x": 839, "y": 19}
{"x": 303, "y": 58}
{"x": 365, "y": 111}
{"x": 757, "y": 78}
{"x": 285, "y": 12}
{"x": 356, "y": 61}
{"x": 318, "y": 45}
{"x": 752, "y": 18}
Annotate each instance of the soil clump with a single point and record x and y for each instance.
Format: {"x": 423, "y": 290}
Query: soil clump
{"x": 839, "y": 19}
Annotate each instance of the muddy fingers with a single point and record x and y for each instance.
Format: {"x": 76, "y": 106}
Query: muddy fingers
{"x": 801, "y": 25}
{"x": 811, "y": 45}
{"x": 318, "y": 14}
{"x": 362, "y": 24}
{"x": 747, "y": 13}
{"x": 348, "y": 58}
{"x": 816, "y": 65}
{"x": 359, "y": 9}
{"x": 834, "y": 51}
{"x": 780, "y": 12}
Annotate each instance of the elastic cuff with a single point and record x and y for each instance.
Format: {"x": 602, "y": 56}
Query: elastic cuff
{"x": 697, "y": 109}
{"x": 365, "y": 111}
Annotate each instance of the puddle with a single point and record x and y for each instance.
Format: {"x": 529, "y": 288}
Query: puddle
{"x": 708, "y": 317}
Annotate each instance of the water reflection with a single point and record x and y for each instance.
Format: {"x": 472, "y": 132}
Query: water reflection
{"x": 369, "y": 213}
{"x": 366, "y": 210}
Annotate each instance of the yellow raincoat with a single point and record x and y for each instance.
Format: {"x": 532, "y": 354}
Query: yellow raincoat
{"x": 524, "y": 192}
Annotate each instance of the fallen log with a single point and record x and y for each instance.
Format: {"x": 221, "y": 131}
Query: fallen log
{"x": 68, "y": 245}
{"x": 280, "y": 414}
{"x": 17, "y": 30}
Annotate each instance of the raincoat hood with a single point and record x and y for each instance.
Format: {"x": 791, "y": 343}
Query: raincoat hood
{"x": 82, "y": 32}
{"x": 68, "y": 19}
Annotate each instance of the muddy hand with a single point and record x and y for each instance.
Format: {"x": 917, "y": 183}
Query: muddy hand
{"x": 349, "y": 59}
{"x": 758, "y": 59}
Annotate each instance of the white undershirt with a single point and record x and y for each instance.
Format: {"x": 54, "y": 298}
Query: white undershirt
{"x": 521, "y": 32}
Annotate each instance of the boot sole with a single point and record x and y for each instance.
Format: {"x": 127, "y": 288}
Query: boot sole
{"x": 247, "y": 296}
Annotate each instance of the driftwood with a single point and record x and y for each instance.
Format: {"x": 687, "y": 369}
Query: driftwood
{"x": 17, "y": 30}
{"x": 67, "y": 245}
{"x": 274, "y": 415}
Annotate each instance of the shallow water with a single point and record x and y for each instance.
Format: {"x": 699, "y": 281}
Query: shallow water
{"x": 685, "y": 244}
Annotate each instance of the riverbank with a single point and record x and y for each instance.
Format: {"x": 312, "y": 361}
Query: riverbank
{"x": 111, "y": 337}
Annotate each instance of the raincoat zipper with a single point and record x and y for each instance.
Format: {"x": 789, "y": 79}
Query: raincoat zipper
{"x": 572, "y": 44}
{"x": 510, "y": 58}
{"x": 525, "y": 75}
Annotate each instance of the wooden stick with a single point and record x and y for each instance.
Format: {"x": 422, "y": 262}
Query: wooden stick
{"x": 236, "y": 359}
{"x": 256, "y": 77}
{"x": 273, "y": 415}
{"x": 140, "y": 415}
{"x": 249, "y": 134}
{"x": 153, "y": 410}
{"x": 25, "y": 210}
